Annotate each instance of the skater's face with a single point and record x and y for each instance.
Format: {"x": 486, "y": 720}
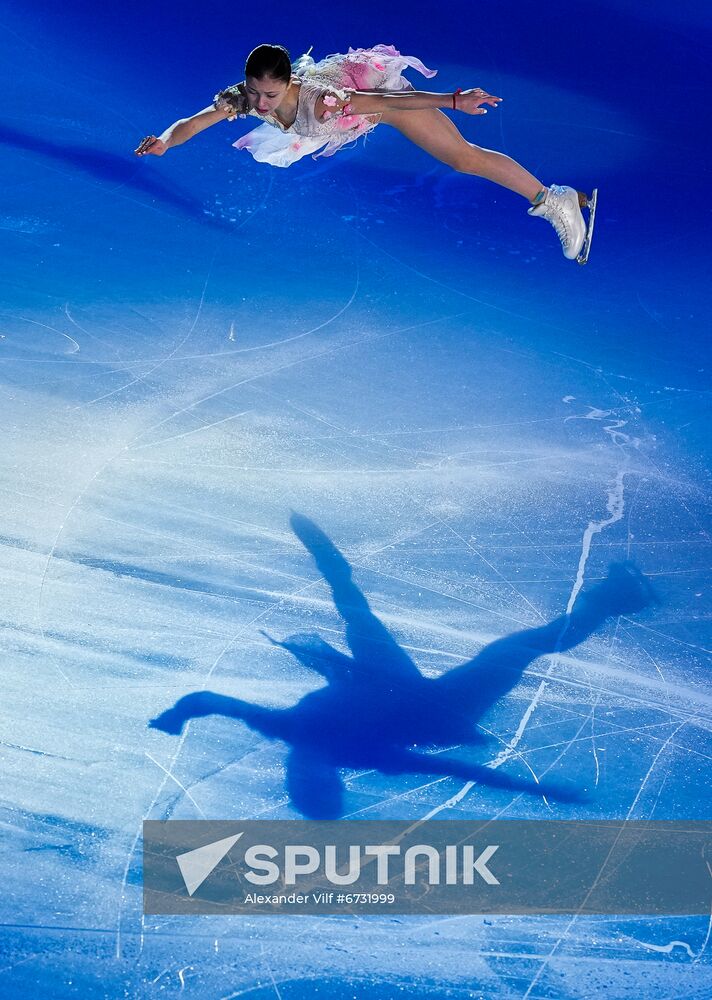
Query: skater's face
{"x": 266, "y": 94}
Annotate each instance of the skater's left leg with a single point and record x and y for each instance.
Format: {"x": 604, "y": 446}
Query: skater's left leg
{"x": 436, "y": 134}
{"x": 497, "y": 668}
{"x": 485, "y": 679}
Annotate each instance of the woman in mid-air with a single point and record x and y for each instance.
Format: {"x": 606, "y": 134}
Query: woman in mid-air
{"x": 309, "y": 107}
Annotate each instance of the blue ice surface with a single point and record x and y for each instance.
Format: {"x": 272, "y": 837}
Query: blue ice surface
{"x": 193, "y": 347}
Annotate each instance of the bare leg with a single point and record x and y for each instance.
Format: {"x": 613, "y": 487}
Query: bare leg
{"x": 436, "y": 134}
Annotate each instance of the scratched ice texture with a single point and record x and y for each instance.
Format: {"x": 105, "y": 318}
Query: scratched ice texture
{"x": 193, "y": 347}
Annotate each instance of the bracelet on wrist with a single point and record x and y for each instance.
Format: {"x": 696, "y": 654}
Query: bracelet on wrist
{"x": 454, "y": 98}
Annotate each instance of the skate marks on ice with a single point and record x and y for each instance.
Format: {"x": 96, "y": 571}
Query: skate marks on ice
{"x": 378, "y": 711}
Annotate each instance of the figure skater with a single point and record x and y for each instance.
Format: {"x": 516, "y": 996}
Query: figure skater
{"x": 321, "y": 106}
{"x": 379, "y": 711}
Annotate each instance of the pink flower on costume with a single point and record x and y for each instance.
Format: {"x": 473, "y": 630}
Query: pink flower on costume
{"x": 330, "y": 101}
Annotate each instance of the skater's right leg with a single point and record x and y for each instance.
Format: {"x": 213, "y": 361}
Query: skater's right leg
{"x": 434, "y": 132}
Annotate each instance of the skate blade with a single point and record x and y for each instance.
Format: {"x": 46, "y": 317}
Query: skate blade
{"x": 590, "y": 204}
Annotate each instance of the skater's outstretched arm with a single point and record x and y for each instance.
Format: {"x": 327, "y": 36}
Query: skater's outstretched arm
{"x": 266, "y": 721}
{"x": 368, "y": 102}
{"x": 374, "y": 648}
{"x": 180, "y": 132}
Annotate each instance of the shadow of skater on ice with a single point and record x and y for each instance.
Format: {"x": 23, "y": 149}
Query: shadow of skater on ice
{"x": 109, "y": 168}
{"x": 376, "y": 709}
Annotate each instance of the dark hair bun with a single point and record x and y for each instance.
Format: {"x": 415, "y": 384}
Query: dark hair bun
{"x": 269, "y": 60}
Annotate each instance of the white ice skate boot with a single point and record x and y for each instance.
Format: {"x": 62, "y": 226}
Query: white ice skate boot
{"x": 561, "y": 206}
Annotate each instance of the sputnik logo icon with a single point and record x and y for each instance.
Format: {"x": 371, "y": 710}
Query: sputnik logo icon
{"x": 196, "y": 865}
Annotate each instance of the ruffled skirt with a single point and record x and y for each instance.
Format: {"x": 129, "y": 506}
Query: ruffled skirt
{"x": 378, "y": 68}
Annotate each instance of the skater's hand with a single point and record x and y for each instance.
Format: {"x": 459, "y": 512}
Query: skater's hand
{"x": 152, "y": 145}
{"x": 469, "y": 101}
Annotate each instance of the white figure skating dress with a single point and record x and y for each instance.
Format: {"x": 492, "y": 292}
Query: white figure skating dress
{"x": 379, "y": 68}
